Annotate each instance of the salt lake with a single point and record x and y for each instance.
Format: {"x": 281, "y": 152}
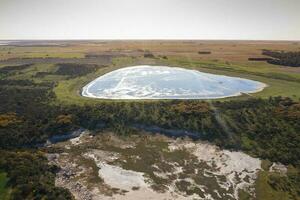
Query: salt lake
{"x": 162, "y": 82}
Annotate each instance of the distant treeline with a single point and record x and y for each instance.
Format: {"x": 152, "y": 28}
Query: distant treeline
{"x": 204, "y": 52}
{"x": 148, "y": 54}
{"x": 92, "y": 55}
{"x": 7, "y": 69}
{"x": 11, "y": 70}
{"x": 290, "y": 58}
{"x": 71, "y": 70}
{"x": 260, "y": 59}
{"x": 75, "y": 70}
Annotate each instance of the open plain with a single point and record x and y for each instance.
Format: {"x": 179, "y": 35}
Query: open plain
{"x": 243, "y": 146}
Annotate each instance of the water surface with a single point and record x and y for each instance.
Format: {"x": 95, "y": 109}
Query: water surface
{"x": 160, "y": 82}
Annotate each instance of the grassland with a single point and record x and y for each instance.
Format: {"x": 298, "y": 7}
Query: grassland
{"x": 4, "y": 191}
{"x": 226, "y": 58}
{"x": 279, "y": 83}
{"x": 264, "y": 191}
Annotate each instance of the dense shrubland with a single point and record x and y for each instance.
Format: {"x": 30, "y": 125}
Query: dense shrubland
{"x": 74, "y": 70}
{"x": 14, "y": 68}
{"x": 30, "y": 176}
{"x": 291, "y": 59}
{"x": 289, "y": 183}
{"x": 24, "y": 115}
{"x": 268, "y": 128}
{"x": 70, "y": 70}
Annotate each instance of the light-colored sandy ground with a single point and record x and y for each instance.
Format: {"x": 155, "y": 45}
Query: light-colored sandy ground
{"x": 278, "y": 167}
{"x": 235, "y": 166}
{"x": 135, "y": 183}
{"x": 94, "y": 167}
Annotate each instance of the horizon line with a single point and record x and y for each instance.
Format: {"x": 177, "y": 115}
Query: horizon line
{"x": 156, "y": 39}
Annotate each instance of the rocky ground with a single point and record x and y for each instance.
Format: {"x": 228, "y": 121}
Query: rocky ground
{"x": 145, "y": 166}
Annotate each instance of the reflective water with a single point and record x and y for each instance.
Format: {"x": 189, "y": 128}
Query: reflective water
{"x": 160, "y": 82}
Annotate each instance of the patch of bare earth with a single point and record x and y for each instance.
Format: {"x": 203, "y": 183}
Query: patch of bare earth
{"x": 144, "y": 166}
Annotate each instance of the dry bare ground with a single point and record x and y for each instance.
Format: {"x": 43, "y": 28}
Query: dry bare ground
{"x": 106, "y": 166}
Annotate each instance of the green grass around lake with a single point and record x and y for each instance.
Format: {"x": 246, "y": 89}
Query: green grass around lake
{"x": 279, "y": 83}
{"x": 68, "y": 89}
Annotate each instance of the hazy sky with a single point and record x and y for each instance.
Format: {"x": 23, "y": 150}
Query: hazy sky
{"x": 150, "y": 19}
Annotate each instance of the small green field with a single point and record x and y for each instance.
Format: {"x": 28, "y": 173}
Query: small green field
{"x": 265, "y": 192}
{"x": 4, "y": 191}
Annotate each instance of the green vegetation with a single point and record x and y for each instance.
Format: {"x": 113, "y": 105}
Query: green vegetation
{"x": 148, "y": 55}
{"x": 283, "y": 58}
{"x": 150, "y": 155}
{"x": 204, "y": 52}
{"x": 41, "y": 100}
{"x": 27, "y": 52}
{"x": 277, "y": 80}
{"x": 274, "y": 186}
{"x": 233, "y": 124}
{"x": 30, "y": 177}
{"x": 10, "y": 69}
{"x": 4, "y": 190}
{"x": 74, "y": 70}
{"x": 68, "y": 91}
{"x": 264, "y": 191}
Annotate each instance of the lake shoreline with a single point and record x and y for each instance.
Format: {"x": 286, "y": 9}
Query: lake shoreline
{"x": 131, "y": 90}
